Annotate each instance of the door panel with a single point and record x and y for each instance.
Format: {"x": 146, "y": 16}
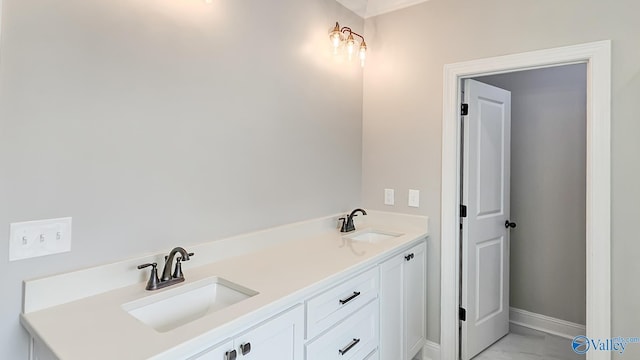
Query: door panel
{"x": 489, "y": 258}
{"x": 485, "y": 240}
{"x": 490, "y": 167}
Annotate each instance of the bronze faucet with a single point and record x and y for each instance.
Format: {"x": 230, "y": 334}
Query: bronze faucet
{"x": 347, "y": 222}
{"x": 167, "y": 278}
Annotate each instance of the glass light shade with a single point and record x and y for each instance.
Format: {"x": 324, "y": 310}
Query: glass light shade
{"x": 363, "y": 53}
{"x": 351, "y": 45}
{"x": 336, "y": 38}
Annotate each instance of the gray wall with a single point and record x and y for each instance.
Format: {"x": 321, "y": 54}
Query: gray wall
{"x": 548, "y": 187}
{"x": 156, "y": 123}
{"x": 403, "y": 110}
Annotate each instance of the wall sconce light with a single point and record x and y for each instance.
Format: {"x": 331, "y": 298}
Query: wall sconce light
{"x": 339, "y": 35}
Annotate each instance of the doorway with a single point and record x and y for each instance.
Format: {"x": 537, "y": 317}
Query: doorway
{"x": 597, "y": 57}
{"x": 525, "y": 140}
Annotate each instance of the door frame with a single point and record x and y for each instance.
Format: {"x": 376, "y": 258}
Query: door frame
{"x": 597, "y": 56}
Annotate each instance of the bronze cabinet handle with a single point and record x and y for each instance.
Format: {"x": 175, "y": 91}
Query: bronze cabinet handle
{"x": 355, "y": 295}
{"x": 349, "y": 346}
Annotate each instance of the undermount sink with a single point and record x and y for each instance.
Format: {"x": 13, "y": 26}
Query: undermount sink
{"x": 176, "y": 307}
{"x": 371, "y": 236}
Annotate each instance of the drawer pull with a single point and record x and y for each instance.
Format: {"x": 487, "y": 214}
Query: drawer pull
{"x": 346, "y": 349}
{"x": 230, "y": 355}
{"x": 409, "y": 257}
{"x": 245, "y": 348}
{"x": 355, "y": 295}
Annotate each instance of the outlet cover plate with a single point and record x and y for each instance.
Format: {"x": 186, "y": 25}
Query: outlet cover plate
{"x": 389, "y": 197}
{"x": 414, "y": 198}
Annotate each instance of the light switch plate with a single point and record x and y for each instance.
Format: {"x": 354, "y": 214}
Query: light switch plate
{"x": 414, "y": 198}
{"x": 39, "y": 238}
{"x": 389, "y": 197}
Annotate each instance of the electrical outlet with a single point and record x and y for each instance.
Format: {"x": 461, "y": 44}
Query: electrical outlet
{"x": 389, "y": 197}
{"x": 39, "y": 238}
{"x": 414, "y": 198}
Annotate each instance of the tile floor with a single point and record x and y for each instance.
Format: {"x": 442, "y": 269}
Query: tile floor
{"x": 526, "y": 344}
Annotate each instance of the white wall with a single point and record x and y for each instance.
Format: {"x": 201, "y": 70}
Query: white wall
{"x": 403, "y": 109}
{"x": 0, "y": 21}
{"x": 548, "y": 187}
{"x": 156, "y": 123}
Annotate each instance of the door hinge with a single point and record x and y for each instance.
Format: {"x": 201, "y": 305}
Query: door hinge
{"x": 463, "y": 211}
{"x": 464, "y": 109}
{"x": 462, "y": 314}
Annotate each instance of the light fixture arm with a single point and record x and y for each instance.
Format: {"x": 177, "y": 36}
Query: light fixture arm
{"x": 347, "y": 29}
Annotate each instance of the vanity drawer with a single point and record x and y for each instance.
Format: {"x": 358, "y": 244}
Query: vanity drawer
{"x": 353, "y": 339}
{"x": 373, "y": 356}
{"x": 340, "y": 301}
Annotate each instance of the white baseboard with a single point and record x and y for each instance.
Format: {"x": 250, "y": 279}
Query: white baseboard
{"x": 431, "y": 351}
{"x": 545, "y": 323}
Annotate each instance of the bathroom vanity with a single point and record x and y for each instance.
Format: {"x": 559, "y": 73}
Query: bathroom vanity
{"x": 302, "y": 291}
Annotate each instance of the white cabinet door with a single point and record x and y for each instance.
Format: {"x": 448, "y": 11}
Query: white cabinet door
{"x": 403, "y": 304}
{"x": 415, "y": 271}
{"x": 391, "y": 309}
{"x": 277, "y": 339}
{"x": 222, "y": 351}
{"x": 280, "y": 338}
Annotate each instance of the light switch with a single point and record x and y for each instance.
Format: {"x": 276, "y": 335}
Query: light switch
{"x": 39, "y": 238}
{"x": 414, "y": 198}
{"x": 389, "y": 197}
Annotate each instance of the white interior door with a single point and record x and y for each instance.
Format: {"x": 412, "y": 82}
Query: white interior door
{"x": 485, "y": 239}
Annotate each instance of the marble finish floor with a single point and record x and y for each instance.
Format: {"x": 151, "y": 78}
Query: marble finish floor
{"x": 526, "y": 344}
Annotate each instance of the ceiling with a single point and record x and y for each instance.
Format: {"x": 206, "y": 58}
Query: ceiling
{"x": 369, "y": 8}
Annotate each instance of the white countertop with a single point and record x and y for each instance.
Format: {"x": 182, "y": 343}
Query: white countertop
{"x": 96, "y": 327}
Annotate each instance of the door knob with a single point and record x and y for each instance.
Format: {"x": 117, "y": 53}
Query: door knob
{"x": 509, "y": 224}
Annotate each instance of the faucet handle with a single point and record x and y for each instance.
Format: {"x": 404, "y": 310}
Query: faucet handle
{"x": 153, "y": 281}
{"x": 140, "y": 267}
{"x": 177, "y": 273}
{"x": 166, "y": 257}
{"x": 180, "y": 258}
{"x": 345, "y": 220}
